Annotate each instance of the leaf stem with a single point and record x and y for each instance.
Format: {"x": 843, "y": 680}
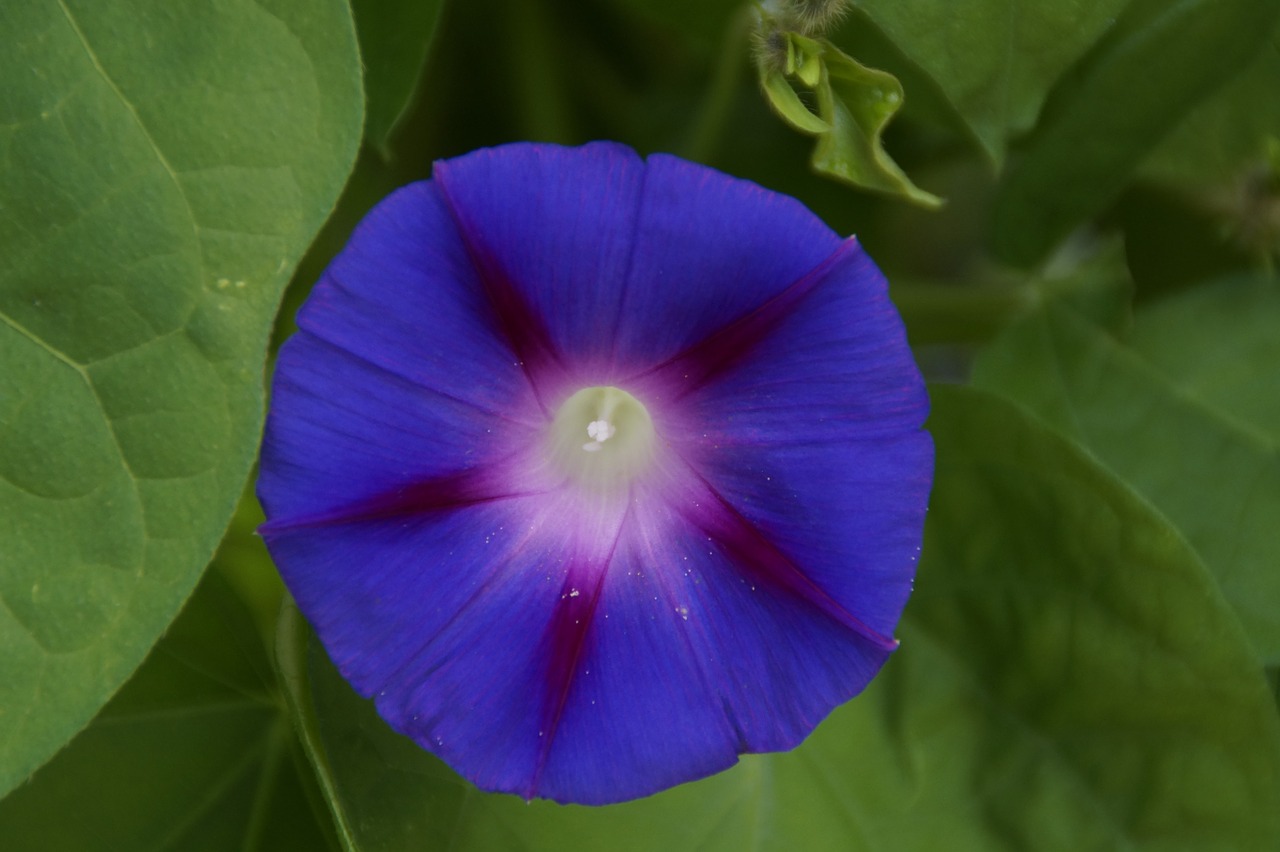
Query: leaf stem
{"x": 292, "y": 638}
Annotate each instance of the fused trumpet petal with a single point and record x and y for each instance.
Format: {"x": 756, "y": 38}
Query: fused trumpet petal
{"x": 597, "y": 472}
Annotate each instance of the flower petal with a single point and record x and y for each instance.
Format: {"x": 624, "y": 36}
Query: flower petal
{"x": 690, "y": 663}
{"x": 551, "y": 231}
{"x": 450, "y": 647}
{"x": 477, "y": 654}
{"x": 541, "y": 639}
{"x": 709, "y": 249}
{"x": 627, "y": 262}
{"x": 812, "y": 432}
{"x": 397, "y": 374}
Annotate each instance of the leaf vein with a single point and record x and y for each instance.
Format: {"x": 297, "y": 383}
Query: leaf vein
{"x": 133, "y": 112}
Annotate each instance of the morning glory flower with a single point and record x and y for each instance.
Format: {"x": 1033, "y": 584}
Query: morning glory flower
{"x": 596, "y": 472}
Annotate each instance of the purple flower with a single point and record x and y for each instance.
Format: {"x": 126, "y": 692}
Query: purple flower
{"x": 597, "y": 472}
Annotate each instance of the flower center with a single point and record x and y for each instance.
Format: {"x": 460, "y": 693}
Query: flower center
{"x": 602, "y": 437}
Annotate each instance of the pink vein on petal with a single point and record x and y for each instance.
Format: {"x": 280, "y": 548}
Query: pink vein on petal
{"x": 696, "y": 365}
{"x": 403, "y": 374}
{"x": 520, "y": 325}
{"x": 755, "y": 552}
{"x": 436, "y": 494}
{"x": 567, "y": 637}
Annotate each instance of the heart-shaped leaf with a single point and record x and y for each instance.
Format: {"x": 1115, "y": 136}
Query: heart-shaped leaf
{"x": 162, "y": 169}
{"x": 1174, "y": 440}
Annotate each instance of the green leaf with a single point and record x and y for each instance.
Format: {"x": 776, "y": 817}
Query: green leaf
{"x": 1069, "y": 678}
{"x": 855, "y": 105}
{"x": 1175, "y": 238}
{"x": 859, "y": 102}
{"x": 395, "y": 37}
{"x": 194, "y": 753}
{"x": 1094, "y": 282}
{"x": 1083, "y": 627}
{"x": 161, "y": 171}
{"x": 1105, "y": 119}
{"x": 804, "y": 59}
{"x": 995, "y": 60}
{"x": 1227, "y": 134}
{"x": 1215, "y": 477}
{"x": 1218, "y": 345}
{"x": 788, "y": 105}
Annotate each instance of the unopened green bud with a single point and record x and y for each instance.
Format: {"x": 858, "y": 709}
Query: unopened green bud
{"x": 813, "y": 17}
{"x": 769, "y": 46}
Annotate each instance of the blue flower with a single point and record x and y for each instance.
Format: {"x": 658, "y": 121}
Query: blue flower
{"x": 597, "y": 472}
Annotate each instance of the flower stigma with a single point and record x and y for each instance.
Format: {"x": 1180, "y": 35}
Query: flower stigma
{"x": 601, "y": 437}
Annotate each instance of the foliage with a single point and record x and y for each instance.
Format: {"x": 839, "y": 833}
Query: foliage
{"x": 1085, "y": 659}
{"x": 152, "y": 213}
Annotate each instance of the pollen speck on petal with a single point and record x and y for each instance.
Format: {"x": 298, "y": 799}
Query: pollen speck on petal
{"x": 597, "y": 472}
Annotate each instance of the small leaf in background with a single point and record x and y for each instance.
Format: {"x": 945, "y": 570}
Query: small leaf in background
{"x": 995, "y": 60}
{"x": 855, "y": 104}
{"x": 1175, "y": 439}
{"x": 1226, "y": 134}
{"x": 194, "y": 753}
{"x": 1104, "y": 120}
{"x": 1220, "y": 345}
{"x": 788, "y": 105}
{"x": 1069, "y": 678}
{"x": 1094, "y": 282}
{"x": 395, "y": 36}
{"x": 1175, "y": 240}
{"x": 161, "y": 171}
{"x": 858, "y": 102}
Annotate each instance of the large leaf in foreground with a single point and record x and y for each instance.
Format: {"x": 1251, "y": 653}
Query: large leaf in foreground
{"x": 162, "y": 168}
{"x": 1215, "y": 478}
{"x": 1069, "y": 678}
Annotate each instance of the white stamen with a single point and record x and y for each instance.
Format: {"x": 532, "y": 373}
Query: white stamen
{"x": 601, "y": 430}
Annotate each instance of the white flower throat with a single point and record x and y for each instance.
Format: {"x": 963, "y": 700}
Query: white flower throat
{"x": 602, "y": 437}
